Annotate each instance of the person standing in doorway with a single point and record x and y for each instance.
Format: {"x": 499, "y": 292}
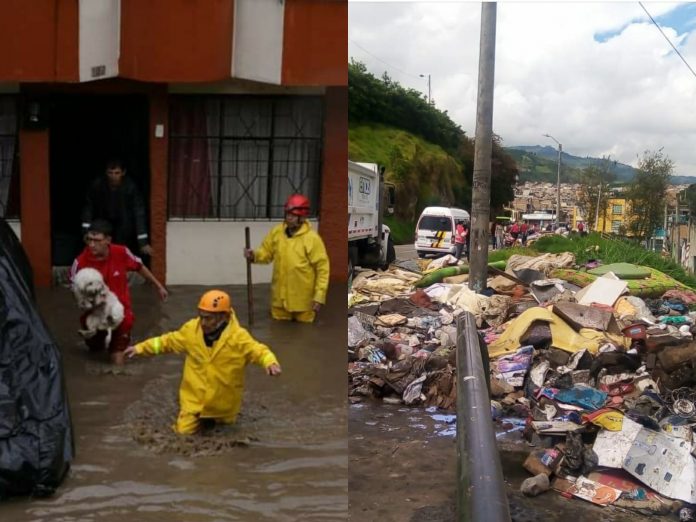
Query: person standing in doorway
{"x": 115, "y": 198}
{"x": 113, "y": 262}
{"x": 300, "y": 264}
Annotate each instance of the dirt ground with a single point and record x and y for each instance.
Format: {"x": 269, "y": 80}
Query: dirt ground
{"x": 403, "y": 467}
{"x": 285, "y": 459}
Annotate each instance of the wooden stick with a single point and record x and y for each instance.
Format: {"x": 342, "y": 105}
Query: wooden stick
{"x": 250, "y": 291}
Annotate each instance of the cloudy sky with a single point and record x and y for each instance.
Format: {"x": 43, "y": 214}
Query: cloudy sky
{"x": 599, "y": 77}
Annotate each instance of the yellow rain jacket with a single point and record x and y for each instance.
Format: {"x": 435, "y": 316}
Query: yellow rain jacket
{"x": 300, "y": 267}
{"x": 213, "y": 381}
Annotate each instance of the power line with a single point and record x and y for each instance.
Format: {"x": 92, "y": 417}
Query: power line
{"x": 386, "y": 63}
{"x": 668, "y": 41}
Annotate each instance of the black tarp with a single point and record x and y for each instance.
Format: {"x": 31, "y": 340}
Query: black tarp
{"x": 36, "y": 437}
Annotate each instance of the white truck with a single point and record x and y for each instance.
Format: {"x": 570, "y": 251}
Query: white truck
{"x": 369, "y": 240}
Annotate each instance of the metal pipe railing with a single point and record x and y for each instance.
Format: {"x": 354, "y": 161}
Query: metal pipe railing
{"x": 481, "y": 493}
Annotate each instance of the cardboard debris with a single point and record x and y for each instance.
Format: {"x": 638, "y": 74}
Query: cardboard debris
{"x": 555, "y": 426}
{"x": 594, "y": 492}
{"x": 603, "y": 290}
{"x": 664, "y": 463}
{"x": 582, "y": 316}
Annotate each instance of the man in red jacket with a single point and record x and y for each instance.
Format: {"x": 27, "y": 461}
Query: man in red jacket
{"x": 113, "y": 262}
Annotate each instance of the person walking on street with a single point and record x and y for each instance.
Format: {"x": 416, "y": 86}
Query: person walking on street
{"x": 300, "y": 264}
{"x": 524, "y": 229}
{"x": 515, "y": 232}
{"x": 114, "y": 197}
{"x": 459, "y": 239}
{"x": 499, "y": 235}
{"x": 113, "y": 262}
{"x": 217, "y": 352}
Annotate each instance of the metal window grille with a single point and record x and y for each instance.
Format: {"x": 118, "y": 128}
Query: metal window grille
{"x": 9, "y": 157}
{"x": 240, "y": 157}
{"x": 617, "y": 209}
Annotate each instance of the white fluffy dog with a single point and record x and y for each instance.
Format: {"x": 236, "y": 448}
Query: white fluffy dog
{"x": 104, "y": 310}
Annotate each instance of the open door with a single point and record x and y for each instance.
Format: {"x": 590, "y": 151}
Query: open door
{"x": 86, "y": 131}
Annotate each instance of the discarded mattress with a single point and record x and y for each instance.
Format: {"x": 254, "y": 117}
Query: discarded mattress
{"x": 622, "y": 271}
{"x": 438, "y": 275}
{"x": 654, "y": 286}
{"x": 562, "y": 335}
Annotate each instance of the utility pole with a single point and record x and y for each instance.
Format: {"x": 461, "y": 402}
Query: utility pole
{"x": 558, "y": 180}
{"x": 599, "y": 198}
{"x": 430, "y": 100}
{"x": 483, "y": 148}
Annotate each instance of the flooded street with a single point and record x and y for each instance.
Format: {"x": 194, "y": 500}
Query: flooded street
{"x": 403, "y": 467}
{"x": 285, "y": 460}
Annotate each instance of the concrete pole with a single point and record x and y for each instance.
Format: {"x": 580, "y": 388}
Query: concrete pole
{"x": 483, "y": 148}
{"x": 558, "y": 187}
{"x": 599, "y": 198}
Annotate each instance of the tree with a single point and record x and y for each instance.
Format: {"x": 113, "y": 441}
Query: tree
{"x": 647, "y": 193}
{"x": 594, "y": 189}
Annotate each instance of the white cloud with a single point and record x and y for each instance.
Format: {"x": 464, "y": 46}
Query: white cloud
{"x": 597, "y": 76}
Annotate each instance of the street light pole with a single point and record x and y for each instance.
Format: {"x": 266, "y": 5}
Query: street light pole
{"x": 558, "y": 180}
{"x": 429, "y": 98}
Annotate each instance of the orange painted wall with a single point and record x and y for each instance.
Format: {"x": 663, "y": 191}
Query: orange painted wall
{"x": 315, "y": 47}
{"x": 176, "y": 40}
{"x": 334, "y": 183}
{"x": 36, "y": 203}
{"x": 159, "y": 115}
{"x": 39, "y": 40}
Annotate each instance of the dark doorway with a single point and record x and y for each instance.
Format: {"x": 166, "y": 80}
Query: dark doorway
{"x": 85, "y": 133}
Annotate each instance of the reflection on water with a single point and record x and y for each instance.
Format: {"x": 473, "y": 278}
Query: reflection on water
{"x": 129, "y": 465}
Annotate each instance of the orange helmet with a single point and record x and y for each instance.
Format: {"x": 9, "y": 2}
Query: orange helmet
{"x": 298, "y": 205}
{"x": 215, "y": 301}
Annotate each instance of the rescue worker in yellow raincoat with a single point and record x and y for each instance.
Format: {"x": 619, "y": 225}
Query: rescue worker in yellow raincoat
{"x": 300, "y": 264}
{"x": 217, "y": 350}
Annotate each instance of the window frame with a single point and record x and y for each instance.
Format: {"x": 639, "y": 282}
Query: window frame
{"x": 273, "y": 141}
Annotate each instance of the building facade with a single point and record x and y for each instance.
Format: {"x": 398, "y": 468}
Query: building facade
{"x": 219, "y": 109}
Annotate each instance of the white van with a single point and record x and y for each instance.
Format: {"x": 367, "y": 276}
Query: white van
{"x": 435, "y": 230}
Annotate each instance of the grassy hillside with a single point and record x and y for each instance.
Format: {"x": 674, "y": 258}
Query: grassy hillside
{"x": 374, "y": 143}
{"x": 423, "y": 173}
{"x": 541, "y": 159}
{"x": 534, "y": 167}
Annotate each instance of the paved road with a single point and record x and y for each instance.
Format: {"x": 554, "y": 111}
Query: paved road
{"x": 405, "y": 251}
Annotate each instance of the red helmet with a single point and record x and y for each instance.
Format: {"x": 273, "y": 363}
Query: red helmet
{"x": 298, "y": 205}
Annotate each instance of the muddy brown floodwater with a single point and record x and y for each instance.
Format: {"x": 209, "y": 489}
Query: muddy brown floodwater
{"x": 403, "y": 468}
{"x": 286, "y": 459}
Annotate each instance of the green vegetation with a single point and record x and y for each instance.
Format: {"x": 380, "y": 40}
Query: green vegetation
{"x": 402, "y": 232}
{"x": 426, "y": 155}
{"x": 647, "y": 193}
{"x": 537, "y": 168}
{"x": 505, "y": 253}
{"x": 593, "y": 246}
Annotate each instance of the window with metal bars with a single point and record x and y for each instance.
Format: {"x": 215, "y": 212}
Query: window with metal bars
{"x": 240, "y": 157}
{"x": 9, "y": 157}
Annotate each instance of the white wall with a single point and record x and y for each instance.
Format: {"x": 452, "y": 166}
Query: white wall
{"x": 257, "y": 47}
{"x": 210, "y": 252}
{"x": 99, "y": 38}
{"x": 16, "y": 227}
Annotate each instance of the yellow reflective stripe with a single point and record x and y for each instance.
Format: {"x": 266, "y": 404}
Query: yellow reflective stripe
{"x": 157, "y": 345}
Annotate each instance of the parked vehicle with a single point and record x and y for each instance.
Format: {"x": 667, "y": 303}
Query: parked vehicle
{"x": 369, "y": 240}
{"x": 435, "y": 230}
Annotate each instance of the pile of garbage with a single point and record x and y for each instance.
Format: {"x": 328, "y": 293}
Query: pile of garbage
{"x": 599, "y": 378}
